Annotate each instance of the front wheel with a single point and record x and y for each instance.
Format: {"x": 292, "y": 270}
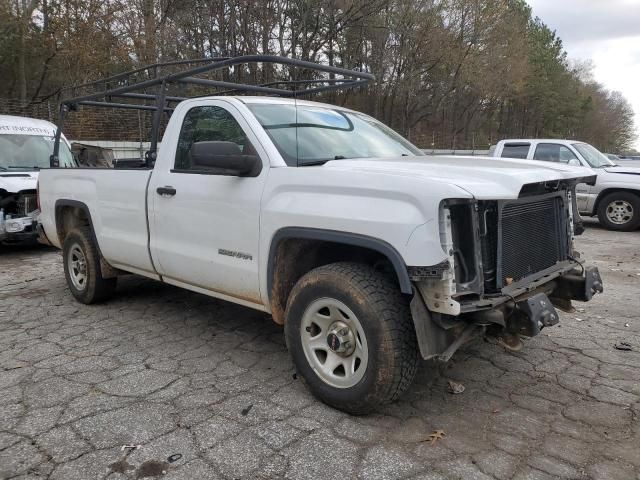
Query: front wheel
{"x": 620, "y": 211}
{"x": 350, "y": 333}
{"x": 82, "y": 268}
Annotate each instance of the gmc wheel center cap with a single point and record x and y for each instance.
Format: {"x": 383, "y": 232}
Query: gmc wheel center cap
{"x": 333, "y": 341}
{"x": 341, "y": 339}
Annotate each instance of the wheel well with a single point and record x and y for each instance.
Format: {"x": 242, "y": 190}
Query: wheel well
{"x": 291, "y": 258}
{"x": 71, "y": 214}
{"x": 606, "y": 192}
{"x": 69, "y": 217}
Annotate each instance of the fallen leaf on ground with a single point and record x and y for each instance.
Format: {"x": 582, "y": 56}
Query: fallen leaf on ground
{"x": 435, "y": 436}
{"x": 130, "y": 447}
{"x": 455, "y": 387}
{"x": 174, "y": 458}
{"x": 623, "y": 346}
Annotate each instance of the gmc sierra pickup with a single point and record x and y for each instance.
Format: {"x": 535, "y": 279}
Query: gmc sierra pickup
{"x": 370, "y": 254}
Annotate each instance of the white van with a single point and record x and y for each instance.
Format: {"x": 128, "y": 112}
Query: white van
{"x": 25, "y": 146}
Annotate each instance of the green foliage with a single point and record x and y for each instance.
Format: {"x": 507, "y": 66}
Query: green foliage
{"x": 451, "y": 73}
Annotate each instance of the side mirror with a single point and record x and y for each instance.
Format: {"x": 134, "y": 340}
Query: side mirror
{"x": 224, "y": 158}
{"x": 574, "y": 162}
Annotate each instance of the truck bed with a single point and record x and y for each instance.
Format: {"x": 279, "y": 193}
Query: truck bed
{"x": 120, "y": 222}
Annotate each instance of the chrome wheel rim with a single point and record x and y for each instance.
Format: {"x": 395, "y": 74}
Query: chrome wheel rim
{"x": 77, "y": 264}
{"x": 334, "y": 343}
{"x": 619, "y": 212}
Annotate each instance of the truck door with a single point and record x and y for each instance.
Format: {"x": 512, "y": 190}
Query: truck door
{"x": 204, "y": 227}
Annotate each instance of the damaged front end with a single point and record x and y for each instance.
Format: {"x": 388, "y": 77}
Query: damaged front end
{"x": 510, "y": 264}
{"x": 18, "y": 217}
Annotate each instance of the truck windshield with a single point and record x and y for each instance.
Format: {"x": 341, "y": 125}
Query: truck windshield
{"x": 593, "y": 156}
{"x": 310, "y": 135}
{"x": 29, "y": 152}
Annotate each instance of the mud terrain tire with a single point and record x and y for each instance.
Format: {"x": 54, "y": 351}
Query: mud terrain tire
{"x": 82, "y": 268}
{"x": 375, "y": 315}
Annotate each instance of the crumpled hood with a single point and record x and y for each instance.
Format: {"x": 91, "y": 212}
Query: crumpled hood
{"x": 623, "y": 169}
{"x": 14, "y": 182}
{"x": 484, "y": 178}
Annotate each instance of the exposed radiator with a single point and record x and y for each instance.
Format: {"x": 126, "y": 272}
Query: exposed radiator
{"x": 532, "y": 236}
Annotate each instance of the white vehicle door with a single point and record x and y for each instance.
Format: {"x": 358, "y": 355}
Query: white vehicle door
{"x": 204, "y": 231}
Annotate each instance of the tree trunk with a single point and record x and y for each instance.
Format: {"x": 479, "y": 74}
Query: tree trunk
{"x": 149, "y": 17}
{"x": 22, "y": 51}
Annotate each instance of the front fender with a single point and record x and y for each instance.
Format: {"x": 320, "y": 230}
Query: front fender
{"x": 400, "y": 213}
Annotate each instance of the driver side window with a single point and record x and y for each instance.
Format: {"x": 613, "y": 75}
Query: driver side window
{"x": 208, "y": 123}
{"x": 553, "y": 152}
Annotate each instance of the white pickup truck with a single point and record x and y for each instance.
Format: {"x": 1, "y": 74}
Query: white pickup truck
{"x": 370, "y": 254}
{"x": 615, "y": 197}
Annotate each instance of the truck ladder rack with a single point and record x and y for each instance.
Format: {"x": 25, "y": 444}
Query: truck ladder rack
{"x": 147, "y": 88}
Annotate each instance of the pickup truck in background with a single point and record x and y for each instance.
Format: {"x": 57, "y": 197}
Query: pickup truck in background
{"x": 628, "y": 160}
{"x": 25, "y": 146}
{"x": 614, "y": 199}
{"x": 370, "y": 254}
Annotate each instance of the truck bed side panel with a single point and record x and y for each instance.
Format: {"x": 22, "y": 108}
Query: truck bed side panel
{"x": 116, "y": 200}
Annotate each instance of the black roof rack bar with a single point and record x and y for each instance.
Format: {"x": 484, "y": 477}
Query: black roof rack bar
{"x": 130, "y": 106}
{"x": 305, "y": 82}
{"x": 217, "y": 65}
{"x": 248, "y": 88}
{"x": 113, "y": 92}
{"x": 340, "y": 86}
{"x": 148, "y": 96}
{"x": 153, "y": 66}
{"x": 169, "y": 98}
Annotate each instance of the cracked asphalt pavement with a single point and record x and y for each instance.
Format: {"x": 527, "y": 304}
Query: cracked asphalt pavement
{"x": 164, "y": 383}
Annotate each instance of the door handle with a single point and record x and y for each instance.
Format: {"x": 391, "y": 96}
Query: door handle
{"x": 169, "y": 191}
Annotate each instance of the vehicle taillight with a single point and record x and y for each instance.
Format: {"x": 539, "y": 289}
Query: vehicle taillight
{"x": 38, "y": 194}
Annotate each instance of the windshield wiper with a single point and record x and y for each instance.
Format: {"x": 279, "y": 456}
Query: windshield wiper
{"x": 4, "y": 169}
{"x": 313, "y": 162}
{"x": 321, "y": 162}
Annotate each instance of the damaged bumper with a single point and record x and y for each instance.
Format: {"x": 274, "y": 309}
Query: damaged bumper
{"x": 522, "y": 310}
{"x": 18, "y": 230}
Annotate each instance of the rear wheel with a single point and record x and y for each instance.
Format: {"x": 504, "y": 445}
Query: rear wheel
{"x": 351, "y": 336}
{"x": 82, "y": 268}
{"x": 620, "y": 211}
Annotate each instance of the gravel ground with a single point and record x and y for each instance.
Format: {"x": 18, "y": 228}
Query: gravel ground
{"x": 183, "y": 377}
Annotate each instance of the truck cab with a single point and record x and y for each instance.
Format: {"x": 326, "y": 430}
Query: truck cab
{"x": 615, "y": 197}
{"x": 26, "y": 145}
